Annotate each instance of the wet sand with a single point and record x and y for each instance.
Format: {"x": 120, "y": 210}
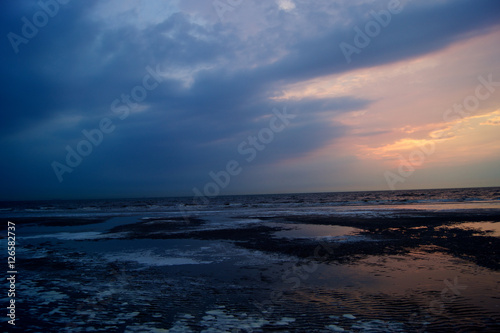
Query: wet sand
{"x": 393, "y": 235}
{"x": 411, "y": 272}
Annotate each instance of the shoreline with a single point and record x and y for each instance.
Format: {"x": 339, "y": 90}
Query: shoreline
{"x": 254, "y": 274}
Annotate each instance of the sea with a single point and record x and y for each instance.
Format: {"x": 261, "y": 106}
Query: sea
{"x": 313, "y": 203}
{"x": 368, "y": 261}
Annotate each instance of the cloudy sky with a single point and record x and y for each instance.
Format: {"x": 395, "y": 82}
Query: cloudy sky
{"x": 124, "y": 98}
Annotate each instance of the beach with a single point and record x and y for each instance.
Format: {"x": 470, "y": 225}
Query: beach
{"x": 250, "y": 166}
{"x": 260, "y": 264}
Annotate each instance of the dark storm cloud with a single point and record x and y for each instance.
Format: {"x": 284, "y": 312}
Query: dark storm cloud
{"x": 416, "y": 30}
{"x": 73, "y": 63}
{"x": 218, "y": 91}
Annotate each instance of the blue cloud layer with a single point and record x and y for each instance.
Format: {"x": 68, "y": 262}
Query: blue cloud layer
{"x": 218, "y": 90}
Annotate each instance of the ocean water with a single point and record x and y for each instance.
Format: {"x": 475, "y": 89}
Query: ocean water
{"x": 400, "y": 261}
{"x": 314, "y": 203}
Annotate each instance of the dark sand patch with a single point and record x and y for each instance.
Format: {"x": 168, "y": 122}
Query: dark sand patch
{"x": 385, "y": 236}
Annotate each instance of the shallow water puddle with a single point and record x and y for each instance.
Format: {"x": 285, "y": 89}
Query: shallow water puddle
{"x": 431, "y": 286}
{"x": 299, "y": 230}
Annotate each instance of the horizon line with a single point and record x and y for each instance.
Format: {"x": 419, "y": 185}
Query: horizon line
{"x": 251, "y": 194}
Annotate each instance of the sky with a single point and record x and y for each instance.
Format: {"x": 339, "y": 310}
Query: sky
{"x": 123, "y": 98}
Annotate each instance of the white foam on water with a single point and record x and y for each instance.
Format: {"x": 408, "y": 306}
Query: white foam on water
{"x": 221, "y": 319}
{"x": 284, "y": 321}
{"x": 215, "y": 252}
